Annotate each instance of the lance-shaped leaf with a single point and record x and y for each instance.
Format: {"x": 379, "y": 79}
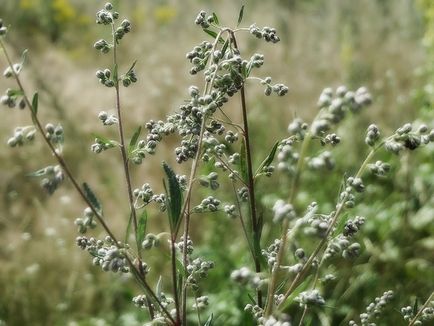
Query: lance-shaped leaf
{"x": 240, "y": 15}
{"x": 34, "y": 107}
{"x": 209, "y": 321}
{"x": 141, "y": 228}
{"x": 268, "y": 160}
{"x": 134, "y": 139}
{"x": 91, "y": 197}
{"x": 174, "y": 198}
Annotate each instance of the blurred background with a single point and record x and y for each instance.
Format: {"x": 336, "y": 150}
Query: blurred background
{"x": 386, "y": 45}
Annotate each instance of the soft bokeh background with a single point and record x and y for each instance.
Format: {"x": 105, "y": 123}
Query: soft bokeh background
{"x": 386, "y": 45}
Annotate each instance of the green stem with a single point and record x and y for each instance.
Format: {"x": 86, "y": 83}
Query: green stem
{"x": 323, "y": 242}
{"x": 284, "y": 236}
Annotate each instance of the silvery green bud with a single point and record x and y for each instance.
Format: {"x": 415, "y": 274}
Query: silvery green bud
{"x": 108, "y": 6}
{"x": 3, "y": 30}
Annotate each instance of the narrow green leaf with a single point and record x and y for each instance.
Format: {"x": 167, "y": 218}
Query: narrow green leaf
{"x": 240, "y": 16}
{"x": 141, "y": 228}
{"x": 216, "y": 19}
{"x": 134, "y": 139}
{"x": 209, "y": 321}
{"x": 34, "y": 107}
{"x": 415, "y": 306}
{"x": 91, "y": 197}
{"x": 210, "y": 32}
{"x": 132, "y": 67}
{"x": 104, "y": 140}
{"x": 213, "y": 34}
{"x": 243, "y": 162}
{"x": 174, "y": 195}
{"x": 225, "y": 47}
{"x": 15, "y": 92}
{"x": 269, "y": 159}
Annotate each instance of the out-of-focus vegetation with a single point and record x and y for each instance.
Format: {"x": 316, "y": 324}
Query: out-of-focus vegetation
{"x": 387, "y": 46}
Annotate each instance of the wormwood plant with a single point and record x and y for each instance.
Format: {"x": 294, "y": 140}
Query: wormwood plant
{"x": 284, "y": 280}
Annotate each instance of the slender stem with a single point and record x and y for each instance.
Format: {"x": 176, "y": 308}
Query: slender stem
{"x": 250, "y": 182}
{"x": 284, "y": 237}
{"x": 185, "y": 212}
{"x": 243, "y": 225}
{"x": 175, "y": 281}
{"x": 323, "y": 242}
{"x": 198, "y": 312}
{"x": 122, "y": 146}
{"x": 74, "y": 182}
{"x": 426, "y": 304}
{"x": 303, "y": 316}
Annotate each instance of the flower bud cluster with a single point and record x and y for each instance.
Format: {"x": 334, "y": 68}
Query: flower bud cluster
{"x": 230, "y": 211}
{"x": 272, "y": 321}
{"x": 129, "y": 78}
{"x": 14, "y": 70}
{"x": 197, "y": 269}
{"x": 374, "y": 310}
{"x": 271, "y": 254}
{"x": 267, "y": 33}
{"x": 331, "y": 139}
{"x": 180, "y": 245}
{"x": 101, "y": 145}
{"x": 106, "y": 119}
{"x": 54, "y": 133}
{"x": 22, "y": 136}
{"x": 106, "y": 16}
{"x": 145, "y": 195}
{"x": 3, "y": 29}
{"x": 323, "y": 161}
{"x": 103, "y": 46}
{"x": 351, "y": 227}
{"x": 243, "y": 194}
{"x": 156, "y": 131}
{"x": 426, "y": 315}
{"x": 208, "y": 204}
{"x": 123, "y": 29}
{"x": 245, "y": 276}
{"x": 287, "y": 157}
{"x": 187, "y": 150}
{"x": 210, "y": 180}
{"x": 379, "y": 168}
{"x": 106, "y": 254}
{"x": 256, "y": 311}
{"x": 199, "y": 56}
{"x": 104, "y": 77}
{"x": 405, "y": 137}
{"x": 231, "y": 137}
{"x": 297, "y": 128}
{"x": 11, "y": 98}
{"x": 282, "y": 210}
{"x": 201, "y": 303}
{"x": 372, "y": 135}
{"x": 86, "y": 222}
{"x": 310, "y": 298}
{"x": 342, "y": 245}
{"x": 336, "y": 106}
{"x": 202, "y": 20}
{"x": 53, "y": 177}
{"x": 318, "y": 224}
